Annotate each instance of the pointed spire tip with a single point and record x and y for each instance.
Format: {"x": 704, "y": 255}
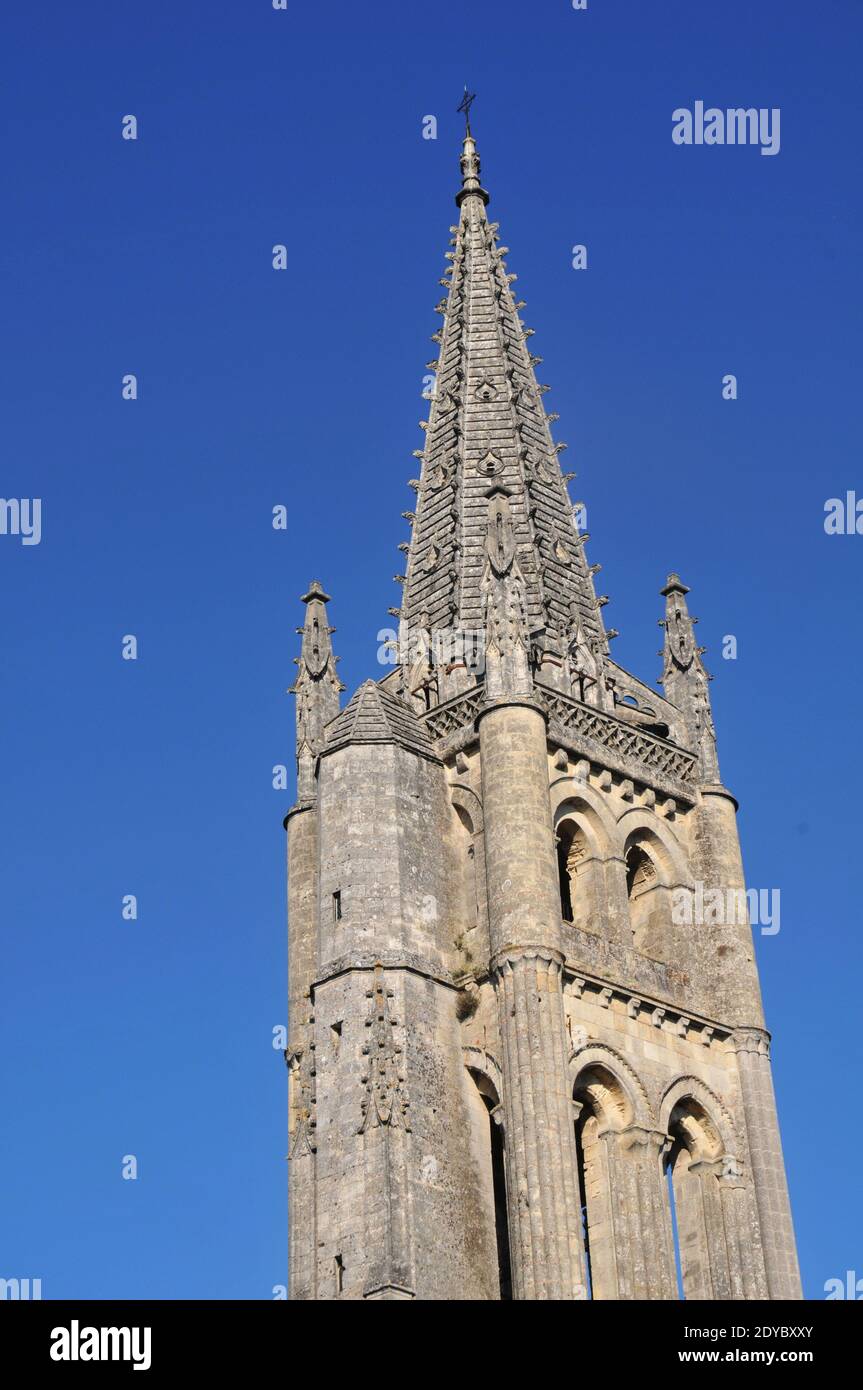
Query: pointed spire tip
{"x": 470, "y": 165}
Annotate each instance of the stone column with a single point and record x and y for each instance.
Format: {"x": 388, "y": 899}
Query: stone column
{"x": 707, "y": 1260}
{"x": 301, "y": 824}
{"x": 302, "y": 1151}
{"x": 302, "y": 827}
{"x": 725, "y": 948}
{"x": 745, "y": 1259}
{"x": 719, "y": 1258}
{"x": 729, "y": 963}
{"x": 641, "y": 1221}
{"x": 527, "y": 966}
{"x": 752, "y": 1046}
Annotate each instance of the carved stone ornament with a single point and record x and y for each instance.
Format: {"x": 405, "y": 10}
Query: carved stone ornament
{"x": 490, "y": 465}
{"x": 500, "y": 545}
{"x": 385, "y": 1101}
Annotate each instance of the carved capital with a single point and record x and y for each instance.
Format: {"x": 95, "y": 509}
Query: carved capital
{"x": 637, "y": 1138}
{"x": 755, "y": 1040}
{"x": 727, "y": 1170}
{"x": 508, "y": 956}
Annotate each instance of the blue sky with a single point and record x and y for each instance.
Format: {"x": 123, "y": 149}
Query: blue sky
{"x": 302, "y": 388}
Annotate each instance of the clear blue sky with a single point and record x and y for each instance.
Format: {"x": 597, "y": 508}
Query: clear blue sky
{"x": 257, "y": 388}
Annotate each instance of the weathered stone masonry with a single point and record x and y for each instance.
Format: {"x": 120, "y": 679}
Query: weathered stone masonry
{"x": 507, "y": 1056}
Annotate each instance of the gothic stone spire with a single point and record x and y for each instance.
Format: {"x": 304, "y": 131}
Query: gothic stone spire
{"x": 685, "y": 678}
{"x": 487, "y": 438}
{"x": 316, "y": 687}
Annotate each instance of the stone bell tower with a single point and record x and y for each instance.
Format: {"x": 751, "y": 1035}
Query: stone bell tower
{"x": 522, "y": 1055}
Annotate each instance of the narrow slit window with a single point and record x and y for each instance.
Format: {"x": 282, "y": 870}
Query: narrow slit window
{"x": 337, "y": 905}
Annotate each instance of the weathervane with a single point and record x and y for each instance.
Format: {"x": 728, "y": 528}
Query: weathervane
{"x": 465, "y": 104}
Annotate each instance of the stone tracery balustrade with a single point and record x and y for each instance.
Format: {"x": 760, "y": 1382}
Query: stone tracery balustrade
{"x": 568, "y": 716}
{"x": 630, "y": 743}
{"x": 456, "y": 714}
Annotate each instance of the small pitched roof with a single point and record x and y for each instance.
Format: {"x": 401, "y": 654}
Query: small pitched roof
{"x": 373, "y": 715}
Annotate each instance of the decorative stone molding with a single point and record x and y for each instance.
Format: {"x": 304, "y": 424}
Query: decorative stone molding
{"x": 466, "y": 798}
{"x": 310, "y": 804}
{"x": 389, "y": 1293}
{"x": 713, "y": 1105}
{"x": 593, "y": 811}
{"x": 479, "y": 1059}
{"x": 390, "y": 960}
{"x": 582, "y": 986}
{"x": 601, "y": 1054}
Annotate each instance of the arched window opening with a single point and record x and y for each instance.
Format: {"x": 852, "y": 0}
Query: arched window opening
{"x": 640, "y": 872}
{"x": 467, "y": 864}
{"x": 493, "y": 1180}
{"x": 601, "y": 1103}
{"x": 501, "y": 1222}
{"x": 649, "y": 894}
{"x": 694, "y": 1201}
{"x": 584, "y": 1118}
{"x": 671, "y": 1160}
{"x": 572, "y": 850}
{"x": 564, "y": 842}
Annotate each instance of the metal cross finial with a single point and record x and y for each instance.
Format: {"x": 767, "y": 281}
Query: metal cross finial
{"x": 465, "y": 104}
